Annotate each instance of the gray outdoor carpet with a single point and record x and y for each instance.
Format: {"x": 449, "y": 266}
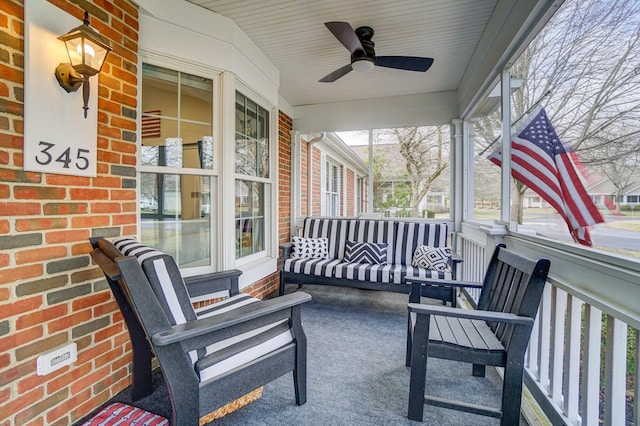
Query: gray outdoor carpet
{"x": 356, "y": 373}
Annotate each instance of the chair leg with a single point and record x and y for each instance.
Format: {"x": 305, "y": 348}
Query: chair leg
{"x": 300, "y": 370}
{"x": 511, "y": 394}
{"x": 418, "y": 368}
{"x": 407, "y": 361}
{"x": 478, "y": 370}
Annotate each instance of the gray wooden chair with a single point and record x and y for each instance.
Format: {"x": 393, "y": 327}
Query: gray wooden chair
{"x": 212, "y": 355}
{"x": 496, "y": 333}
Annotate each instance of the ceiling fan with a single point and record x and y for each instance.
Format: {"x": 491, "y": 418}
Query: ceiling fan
{"x": 363, "y": 55}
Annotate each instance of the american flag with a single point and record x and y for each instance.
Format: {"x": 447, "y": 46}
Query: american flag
{"x": 543, "y": 163}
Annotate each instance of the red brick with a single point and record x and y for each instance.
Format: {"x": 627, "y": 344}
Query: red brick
{"x": 88, "y": 194}
{"x": 89, "y": 221}
{"x": 20, "y": 272}
{"x": 68, "y": 377}
{"x": 22, "y": 401}
{"x": 64, "y": 180}
{"x": 66, "y": 236}
{"x": 107, "y": 181}
{"x": 39, "y": 254}
{"x": 69, "y": 321}
{"x": 123, "y": 194}
{"x": 13, "y": 341}
{"x": 91, "y": 300}
{"x": 87, "y": 355}
{"x": 106, "y": 208}
{"x": 4, "y": 226}
{"x": 20, "y": 307}
{"x": 41, "y": 316}
{"x": 40, "y": 224}
{"x": 125, "y": 219}
{"x": 19, "y": 209}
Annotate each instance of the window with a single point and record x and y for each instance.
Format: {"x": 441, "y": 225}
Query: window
{"x": 177, "y": 165}
{"x": 332, "y": 188}
{"x": 252, "y": 168}
{"x": 632, "y": 198}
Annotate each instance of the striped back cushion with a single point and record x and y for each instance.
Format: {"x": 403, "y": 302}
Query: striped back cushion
{"x": 411, "y": 235}
{"x": 335, "y": 230}
{"x": 165, "y": 279}
{"x": 374, "y": 231}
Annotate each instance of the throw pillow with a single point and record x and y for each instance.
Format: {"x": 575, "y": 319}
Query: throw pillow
{"x": 436, "y": 258}
{"x": 373, "y": 253}
{"x": 316, "y": 248}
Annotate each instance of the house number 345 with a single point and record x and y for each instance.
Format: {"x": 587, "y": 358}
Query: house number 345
{"x": 67, "y": 157}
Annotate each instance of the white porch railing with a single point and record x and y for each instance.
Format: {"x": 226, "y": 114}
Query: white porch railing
{"x": 582, "y": 362}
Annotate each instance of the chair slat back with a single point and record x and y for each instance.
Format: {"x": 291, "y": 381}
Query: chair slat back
{"x": 513, "y": 284}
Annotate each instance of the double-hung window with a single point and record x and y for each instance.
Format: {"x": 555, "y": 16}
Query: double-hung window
{"x": 332, "y": 188}
{"x": 252, "y": 184}
{"x": 178, "y": 171}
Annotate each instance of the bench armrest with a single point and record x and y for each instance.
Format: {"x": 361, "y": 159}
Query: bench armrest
{"x": 286, "y": 249}
{"x": 446, "y": 311}
{"x": 193, "y": 329}
{"x": 455, "y": 258}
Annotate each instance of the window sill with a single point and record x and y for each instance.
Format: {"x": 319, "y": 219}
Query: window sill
{"x": 257, "y": 270}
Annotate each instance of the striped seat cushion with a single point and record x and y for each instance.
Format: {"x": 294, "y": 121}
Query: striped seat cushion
{"x": 119, "y": 413}
{"x": 365, "y": 272}
{"x": 410, "y": 235}
{"x": 312, "y": 266}
{"x": 167, "y": 283}
{"x": 400, "y": 272}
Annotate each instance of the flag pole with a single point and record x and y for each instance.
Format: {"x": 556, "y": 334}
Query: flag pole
{"x": 535, "y": 104}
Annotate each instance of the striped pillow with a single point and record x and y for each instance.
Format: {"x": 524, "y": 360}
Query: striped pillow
{"x": 372, "y": 253}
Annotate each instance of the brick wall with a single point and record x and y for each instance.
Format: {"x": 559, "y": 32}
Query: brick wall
{"x": 316, "y": 191}
{"x": 49, "y": 292}
{"x": 351, "y": 192}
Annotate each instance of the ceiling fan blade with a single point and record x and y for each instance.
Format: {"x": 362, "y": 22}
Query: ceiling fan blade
{"x": 409, "y": 63}
{"x": 340, "y": 72}
{"x": 345, "y": 35}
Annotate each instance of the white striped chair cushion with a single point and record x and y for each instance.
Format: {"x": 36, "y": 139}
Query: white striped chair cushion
{"x": 168, "y": 285}
{"x": 411, "y": 235}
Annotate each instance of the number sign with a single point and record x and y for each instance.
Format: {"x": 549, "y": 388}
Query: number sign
{"x": 57, "y": 137}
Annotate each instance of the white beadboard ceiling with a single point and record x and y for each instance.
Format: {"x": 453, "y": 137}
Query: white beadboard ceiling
{"x": 292, "y": 34}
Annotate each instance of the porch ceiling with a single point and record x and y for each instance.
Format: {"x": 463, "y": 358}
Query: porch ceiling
{"x": 467, "y": 39}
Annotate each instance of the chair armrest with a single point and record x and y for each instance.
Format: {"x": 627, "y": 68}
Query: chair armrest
{"x": 439, "y": 282}
{"x": 199, "y": 285}
{"x": 182, "y": 332}
{"x": 446, "y": 311}
{"x": 286, "y": 249}
{"x": 456, "y": 258}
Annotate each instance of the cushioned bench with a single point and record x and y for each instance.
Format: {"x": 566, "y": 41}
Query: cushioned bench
{"x": 370, "y": 254}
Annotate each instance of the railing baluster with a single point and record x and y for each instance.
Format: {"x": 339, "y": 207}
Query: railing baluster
{"x": 559, "y": 308}
{"x": 571, "y": 383}
{"x": 545, "y": 338}
{"x": 590, "y": 387}
{"x": 615, "y": 372}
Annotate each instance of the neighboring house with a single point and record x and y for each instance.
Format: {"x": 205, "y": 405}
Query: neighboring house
{"x": 392, "y": 188}
{"x": 337, "y": 181}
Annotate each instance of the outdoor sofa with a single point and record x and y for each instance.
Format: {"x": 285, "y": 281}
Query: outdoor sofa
{"x": 375, "y": 254}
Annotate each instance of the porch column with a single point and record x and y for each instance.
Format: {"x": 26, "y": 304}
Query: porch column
{"x": 457, "y": 178}
{"x": 505, "y": 197}
{"x": 370, "y": 180}
{"x": 296, "y": 190}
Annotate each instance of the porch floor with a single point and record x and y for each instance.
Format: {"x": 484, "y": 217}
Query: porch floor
{"x": 356, "y": 373}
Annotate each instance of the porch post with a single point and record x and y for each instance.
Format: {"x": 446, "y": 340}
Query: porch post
{"x": 296, "y": 193}
{"x": 456, "y": 175}
{"x": 505, "y": 198}
{"x": 370, "y": 180}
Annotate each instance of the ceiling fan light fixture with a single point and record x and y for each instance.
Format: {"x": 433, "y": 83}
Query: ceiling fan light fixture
{"x": 362, "y": 65}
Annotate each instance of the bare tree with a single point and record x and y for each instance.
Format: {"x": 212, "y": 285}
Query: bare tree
{"x": 425, "y": 152}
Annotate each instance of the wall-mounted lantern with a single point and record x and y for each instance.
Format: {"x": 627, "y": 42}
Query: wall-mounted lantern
{"x": 87, "y": 50}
